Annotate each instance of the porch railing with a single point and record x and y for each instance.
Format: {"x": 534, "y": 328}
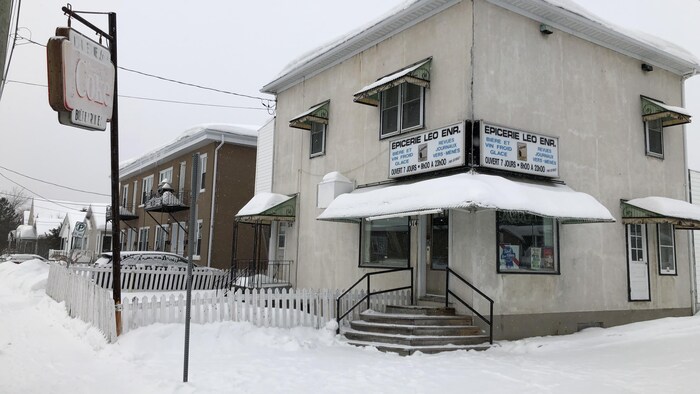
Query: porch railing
{"x": 369, "y": 292}
{"x": 254, "y": 274}
{"x": 448, "y": 293}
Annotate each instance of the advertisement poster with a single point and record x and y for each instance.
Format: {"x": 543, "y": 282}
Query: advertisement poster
{"x": 520, "y": 151}
{"x": 509, "y": 256}
{"x": 535, "y": 258}
{"x": 548, "y": 258}
{"x": 427, "y": 151}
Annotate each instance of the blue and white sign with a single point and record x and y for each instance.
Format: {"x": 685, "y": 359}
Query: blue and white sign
{"x": 427, "y": 151}
{"x": 515, "y": 150}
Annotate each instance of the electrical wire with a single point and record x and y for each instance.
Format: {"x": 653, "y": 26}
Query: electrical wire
{"x": 155, "y": 99}
{"x": 35, "y": 193}
{"x": 55, "y": 184}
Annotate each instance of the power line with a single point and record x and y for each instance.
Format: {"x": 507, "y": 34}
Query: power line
{"x": 155, "y": 99}
{"x": 51, "y": 201}
{"x": 266, "y": 102}
{"x": 80, "y": 204}
{"x": 54, "y": 184}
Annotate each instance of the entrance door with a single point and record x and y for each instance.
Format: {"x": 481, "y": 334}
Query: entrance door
{"x": 436, "y": 253}
{"x": 637, "y": 263}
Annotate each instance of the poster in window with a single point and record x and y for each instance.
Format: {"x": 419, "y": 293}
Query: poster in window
{"x": 535, "y": 258}
{"x": 548, "y": 258}
{"x": 509, "y": 256}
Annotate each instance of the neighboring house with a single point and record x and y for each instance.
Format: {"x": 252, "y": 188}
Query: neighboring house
{"x": 527, "y": 146}
{"x": 155, "y": 193}
{"x": 694, "y": 177}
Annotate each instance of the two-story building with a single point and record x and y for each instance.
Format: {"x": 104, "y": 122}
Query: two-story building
{"x": 156, "y": 193}
{"x": 527, "y": 146}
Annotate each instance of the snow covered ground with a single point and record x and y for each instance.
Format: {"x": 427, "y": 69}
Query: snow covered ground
{"x": 42, "y": 350}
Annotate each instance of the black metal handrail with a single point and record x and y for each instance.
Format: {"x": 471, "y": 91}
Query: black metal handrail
{"x": 449, "y": 292}
{"x": 367, "y": 296}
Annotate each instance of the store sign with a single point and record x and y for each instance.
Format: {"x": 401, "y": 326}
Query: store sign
{"x": 81, "y": 80}
{"x": 427, "y": 151}
{"x": 515, "y": 150}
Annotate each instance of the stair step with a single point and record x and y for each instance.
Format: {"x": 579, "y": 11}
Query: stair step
{"x": 436, "y": 330}
{"x": 408, "y": 350}
{"x": 415, "y": 340}
{"x": 420, "y": 310}
{"x": 415, "y": 320}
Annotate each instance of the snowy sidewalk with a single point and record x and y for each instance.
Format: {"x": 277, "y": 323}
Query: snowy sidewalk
{"x": 44, "y": 351}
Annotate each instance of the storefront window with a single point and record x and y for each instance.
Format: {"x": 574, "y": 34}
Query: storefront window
{"x": 385, "y": 243}
{"x": 526, "y": 243}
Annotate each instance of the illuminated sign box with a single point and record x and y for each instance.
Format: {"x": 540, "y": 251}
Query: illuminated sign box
{"x": 427, "y": 151}
{"x": 520, "y": 151}
{"x": 81, "y": 80}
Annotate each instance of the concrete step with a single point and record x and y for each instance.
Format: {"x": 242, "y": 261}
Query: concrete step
{"x": 408, "y": 350}
{"x": 361, "y": 325}
{"x": 415, "y": 320}
{"x": 420, "y": 310}
{"x": 415, "y": 340}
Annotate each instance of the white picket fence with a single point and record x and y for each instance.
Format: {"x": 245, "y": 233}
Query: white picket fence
{"x": 155, "y": 279}
{"x": 271, "y": 307}
{"x": 83, "y": 298}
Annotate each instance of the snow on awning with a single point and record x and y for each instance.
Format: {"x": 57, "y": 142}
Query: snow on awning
{"x": 268, "y": 206}
{"x": 417, "y": 74}
{"x": 316, "y": 114}
{"x": 683, "y": 215}
{"x": 669, "y": 115}
{"x": 470, "y": 192}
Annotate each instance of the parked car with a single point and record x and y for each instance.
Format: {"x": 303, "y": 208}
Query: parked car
{"x": 21, "y": 257}
{"x": 144, "y": 259}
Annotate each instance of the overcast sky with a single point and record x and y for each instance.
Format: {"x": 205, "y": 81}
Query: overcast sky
{"x": 230, "y": 45}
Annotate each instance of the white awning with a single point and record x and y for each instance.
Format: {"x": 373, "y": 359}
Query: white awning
{"x": 417, "y": 74}
{"x": 268, "y": 206}
{"x": 469, "y": 192}
{"x": 682, "y": 214}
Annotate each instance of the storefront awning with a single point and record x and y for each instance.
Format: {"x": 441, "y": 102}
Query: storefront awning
{"x": 417, "y": 74}
{"x": 317, "y": 114}
{"x": 268, "y": 207}
{"x": 683, "y": 215}
{"x": 470, "y": 192}
{"x": 669, "y": 115}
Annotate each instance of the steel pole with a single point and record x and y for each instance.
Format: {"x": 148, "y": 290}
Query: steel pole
{"x": 190, "y": 252}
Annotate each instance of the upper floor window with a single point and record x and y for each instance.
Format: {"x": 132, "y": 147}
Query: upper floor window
{"x": 166, "y": 175}
{"x": 202, "y": 172}
{"x": 315, "y": 119}
{"x": 125, "y": 195}
{"x": 401, "y": 109}
{"x": 146, "y": 189}
{"x": 400, "y": 97}
{"x": 654, "y": 138}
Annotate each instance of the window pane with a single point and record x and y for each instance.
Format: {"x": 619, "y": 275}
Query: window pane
{"x": 411, "y": 114}
{"x": 667, "y": 255}
{"x": 655, "y": 137}
{"x": 390, "y": 110}
{"x": 386, "y": 242}
{"x": 317, "y": 138}
{"x": 390, "y": 97}
{"x": 526, "y": 243}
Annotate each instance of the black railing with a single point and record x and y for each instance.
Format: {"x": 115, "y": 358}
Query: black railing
{"x": 449, "y": 292}
{"x": 253, "y": 274}
{"x": 172, "y": 199}
{"x": 369, "y": 293}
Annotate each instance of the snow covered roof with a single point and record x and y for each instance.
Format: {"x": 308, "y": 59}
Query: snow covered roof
{"x": 25, "y": 231}
{"x": 560, "y": 14}
{"x": 682, "y": 214}
{"x": 191, "y": 139}
{"x": 470, "y": 192}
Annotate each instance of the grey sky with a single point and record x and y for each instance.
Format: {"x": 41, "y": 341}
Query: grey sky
{"x": 230, "y": 45}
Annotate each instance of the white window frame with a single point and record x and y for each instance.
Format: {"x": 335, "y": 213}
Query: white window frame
{"x": 399, "y": 120}
{"x": 168, "y": 172}
{"x": 181, "y": 179}
{"x": 133, "y": 197}
{"x": 197, "y": 253}
{"x": 654, "y": 126}
{"x": 202, "y": 173}
{"x": 140, "y": 246}
{"x": 125, "y": 195}
{"x": 674, "y": 269}
{"x": 146, "y": 180}
{"x": 322, "y": 131}
{"x": 160, "y": 238}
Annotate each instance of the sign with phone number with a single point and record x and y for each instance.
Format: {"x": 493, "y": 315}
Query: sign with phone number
{"x": 427, "y": 151}
{"x": 520, "y": 151}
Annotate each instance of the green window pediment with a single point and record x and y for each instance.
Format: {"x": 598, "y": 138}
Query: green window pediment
{"x": 416, "y": 74}
{"x": 316, "y": 114}
{"x": 669, "y": 115}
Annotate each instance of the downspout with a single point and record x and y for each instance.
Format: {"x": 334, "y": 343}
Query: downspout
{"x": 213, "y": 200}
{"x": 691, "y": 238}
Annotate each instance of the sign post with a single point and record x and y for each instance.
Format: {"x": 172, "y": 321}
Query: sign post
{"x": 83, "y": 90}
